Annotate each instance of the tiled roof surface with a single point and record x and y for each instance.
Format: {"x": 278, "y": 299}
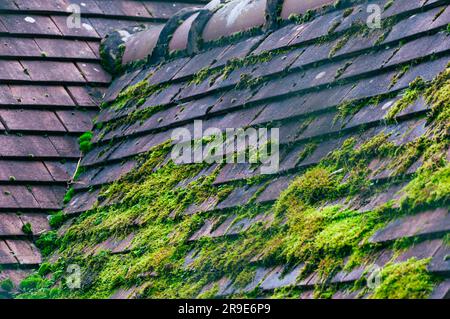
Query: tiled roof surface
{"x": 323, "y": 81}
{"x": 315, "y": 67}
{"x": 51, "y": 82}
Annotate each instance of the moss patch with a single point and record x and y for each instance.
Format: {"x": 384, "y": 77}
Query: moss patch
{"x": 407, "y": 280}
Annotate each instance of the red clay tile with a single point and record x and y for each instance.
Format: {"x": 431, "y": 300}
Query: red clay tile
{"x": 10, "y": 225}
{"x": 29, "y": 24}
{"x": 18, "y": 171}
{"x": 83, "y": 96}
{"x": 6, "y": 255}
{"x": 40, "y": 95}
{"x": 53, "y": 71}
{"x": 12, "y": 70}
{"x": 39, "y": 222}
{"x": 60, "y": 48}
{"x": 49, "y": 197}
{"x": 25, "y": 252}
{"x": 77, "y": 121}
{"x": 66, "y": 146}
{"x": 93, "y": 72}
{"x": 86, "y": 29}
{"x": 26, "y": 146}
{"x": 61, "y": 172}
{"x": 14, "y": 47}
{"x": 31, "y": 120}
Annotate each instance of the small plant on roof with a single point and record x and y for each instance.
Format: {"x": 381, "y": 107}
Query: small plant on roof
{"x": 68, "y": 196}
{"x": 7, "y": 285}
{"x": 26, "y": 228}
{"x": 57, "y": 219}
{"x": 85, "y": 142}
{"x": 415, "y": 89}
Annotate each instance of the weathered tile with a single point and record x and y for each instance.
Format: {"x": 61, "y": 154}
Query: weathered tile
{"x": 199, "y": 62}
{"x": 239, "y": 196}
{"x": 14, "y": 47}
{"x": 12, "y": 70}
{"x": 49, "y": 197}
{"x": 93, "y": 72}
{"x": 76, "y": 121}
{"x": 40, "y": 95}
{"x": 25, "y": 252}
{"x": 61, "y": 171}
{"x": 6, "y": 255}
{"x": 65, "y": 49}
{"x": 66, "y": 146}
{"x": 18, "y": 171}
{"x": 274, "y": 189}
{"x": 81, "y": 202}
{"x": 86, "y": 30}
{"x": 423, "y": 250}
{"x": 39, "y": 222}
{"x": 440, "y": 262}
{"x": 31, "y": 120}
{"x": 278, "y": 278}
{"x": 415, "y": 24}
{"x": 26, "y": 146}
{"x": 426, "y": 223}
{"x": 29, "y": 24}
{"x": 442, "y": 291}
{"x": 10, "y": 225}
{"x": 53, "y": 71}
{"x": 84, "y": 96}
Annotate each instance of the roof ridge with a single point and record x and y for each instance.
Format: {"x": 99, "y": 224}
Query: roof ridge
{"x": 191, "y": 31}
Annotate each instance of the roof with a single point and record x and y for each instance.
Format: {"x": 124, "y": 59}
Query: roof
{"x": 359, "y": 205}
{"x": 51, "y": 83}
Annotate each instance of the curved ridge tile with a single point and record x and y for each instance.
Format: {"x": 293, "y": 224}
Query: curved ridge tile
{"x": 235, "y": 16}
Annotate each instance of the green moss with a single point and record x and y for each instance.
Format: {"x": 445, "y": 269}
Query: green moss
{"x": 56, "y": 220}
{"x": 437, "y": 94}
{"x": 245, "y": 277}
{"x": 307, "y": 151}
{"x": 342, "y": 69}
{"x": 407, "y": 280}
{"x": 315, "y": 185}
{"x": 44, "y": 269}
{"x": 7, "y": 285}
{"x": 33, "y": 282}
{"x": 427, "y": 189}
{"x": 347, "y": 12}
{"x": 349, "y": 108}
{"x": 233, "y": 65}
{"x": 69, "y": 195}
{"x": 339, "y": 45}
{"x": 26, "y": 228}
{"x": 416, "y": 88}
{"x": 399, "y": 75}
{"x": 303, "y": 18}
{"x": 84, "y": 142}
{"x": 447, "y": 239}
{"x": 388, "y": 4}
{"x": 47, "y": 242}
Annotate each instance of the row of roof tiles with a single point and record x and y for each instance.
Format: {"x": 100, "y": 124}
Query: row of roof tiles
{"x": 147, "y": 10}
